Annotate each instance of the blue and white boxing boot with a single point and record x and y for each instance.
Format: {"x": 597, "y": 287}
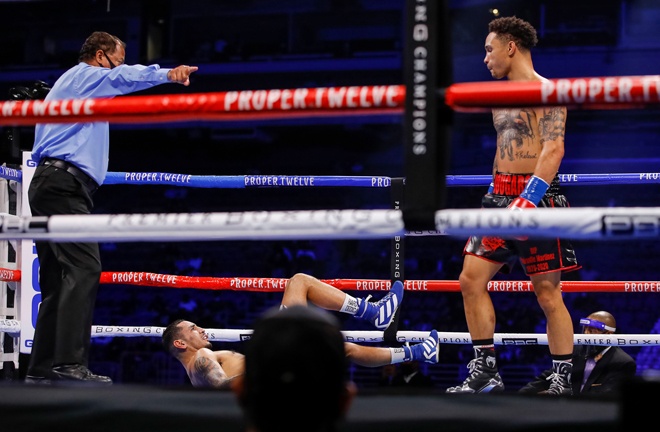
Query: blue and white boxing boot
{"x": 381, "y": 313}
{"x": 427, "y": 351}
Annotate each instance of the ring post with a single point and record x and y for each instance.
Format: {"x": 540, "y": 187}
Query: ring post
{"x": 427, "y": 67}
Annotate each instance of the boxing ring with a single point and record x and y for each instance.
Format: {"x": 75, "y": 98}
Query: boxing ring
{"x": 575, "y": 223}
{"x": 421, "y": 216}
{"x": 589, "y": 414}
{"x": 136, "y": 403}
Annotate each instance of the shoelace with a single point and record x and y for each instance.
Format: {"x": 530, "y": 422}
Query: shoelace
{"x": 555, "y": 377}
{"x": 384, "y": 300}
{"x": 365, "y": 300}
{"x": 558, "y": 383}
{"x": 473, "y": 367}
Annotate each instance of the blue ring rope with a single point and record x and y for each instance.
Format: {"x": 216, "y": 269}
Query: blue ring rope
{"x": 254, "y": 181}
{"x": 264, "y": 181}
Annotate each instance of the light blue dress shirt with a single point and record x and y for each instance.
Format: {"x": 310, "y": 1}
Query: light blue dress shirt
{"x": 87, "y": 145}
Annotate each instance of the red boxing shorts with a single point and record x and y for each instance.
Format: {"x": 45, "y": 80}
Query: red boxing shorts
{"x": 535, "y": 255}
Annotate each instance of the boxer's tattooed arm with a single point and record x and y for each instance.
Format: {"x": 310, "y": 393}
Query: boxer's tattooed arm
{"x": 211, "y": 372}
{"x": 552, "y": 124}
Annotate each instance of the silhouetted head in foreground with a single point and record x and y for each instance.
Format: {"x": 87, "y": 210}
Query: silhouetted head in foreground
{"x": 296, "y": 372}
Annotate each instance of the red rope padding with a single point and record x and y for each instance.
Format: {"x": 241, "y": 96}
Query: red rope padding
{"x": 624, "y": 92}
{"x": 232, "y": 105}
{"x": 9, "y": 275}
{"x": 278, "y": 284}
{"x": 629, "y": 92}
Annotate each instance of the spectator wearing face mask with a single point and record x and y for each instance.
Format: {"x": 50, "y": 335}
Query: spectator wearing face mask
{"x": 597, "y": 369}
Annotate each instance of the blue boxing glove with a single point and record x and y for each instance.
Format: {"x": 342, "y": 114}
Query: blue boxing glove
{"x": 531, "y": 195}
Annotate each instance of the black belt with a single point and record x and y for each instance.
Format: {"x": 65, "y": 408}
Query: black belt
{"x": 79, "y": 174}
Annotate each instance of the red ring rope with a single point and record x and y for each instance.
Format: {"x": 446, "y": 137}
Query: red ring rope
{"x": 277, "y": 284}
{"x": 630, "y": 92}
{"x": 624, "y": 92}
{"x": 232, "y": 105}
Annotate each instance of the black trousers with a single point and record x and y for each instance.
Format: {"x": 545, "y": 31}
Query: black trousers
{"x": 68, "y": 276}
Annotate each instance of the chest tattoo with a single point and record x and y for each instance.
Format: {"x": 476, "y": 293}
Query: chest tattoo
{"x": 514, "y": 132}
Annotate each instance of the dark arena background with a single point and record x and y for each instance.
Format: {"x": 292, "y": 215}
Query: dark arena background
{"x": 278, "y": 44}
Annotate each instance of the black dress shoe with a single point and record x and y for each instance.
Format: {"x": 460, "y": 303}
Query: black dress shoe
{"x": 37, "y": 380}
{"x": 80, "y": 374}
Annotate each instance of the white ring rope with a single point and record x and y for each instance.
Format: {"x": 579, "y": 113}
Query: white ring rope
{"x": 260, "y": 225}
{"x": 365, "y": 336}
{"x": 577, "y": 223}
{"x": 372, "y": 336}
{"x": 10, "y": 326}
